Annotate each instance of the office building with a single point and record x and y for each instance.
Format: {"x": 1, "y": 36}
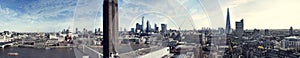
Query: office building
{"x": 163, "y": 28}
{"x": 239, "y": 28}
{"x": 132, "y": 30}
{"x": 291, "y": 31}
{"x": 76, "y": 31}
{"x": 221, "y": 30}
{"x": 156, "y": 28}
{"x": 138, "y": 28}
{"x": 290, "y": 43}
{"x": 142, "y": 27}
{"x": 255, "y": 32}
{"x": 267, "y": 32}
{"x": 148, "y": 27}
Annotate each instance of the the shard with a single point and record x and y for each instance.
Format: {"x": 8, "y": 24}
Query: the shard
{"x": 228, "y": 28}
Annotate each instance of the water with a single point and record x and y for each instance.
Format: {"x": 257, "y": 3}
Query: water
{"x": 37, "y": 52}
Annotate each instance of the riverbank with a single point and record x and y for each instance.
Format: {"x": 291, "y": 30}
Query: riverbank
{"x": 32, "y": 46}
{"x": 37, "y": 53}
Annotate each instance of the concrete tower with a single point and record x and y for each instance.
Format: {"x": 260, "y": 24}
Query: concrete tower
{"x": 110, "y": 27}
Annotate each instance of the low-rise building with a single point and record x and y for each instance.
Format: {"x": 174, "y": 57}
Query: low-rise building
{"x": 290, "y": 43}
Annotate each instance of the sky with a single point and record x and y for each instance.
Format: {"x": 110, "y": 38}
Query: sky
{"x": 56, "y": 15}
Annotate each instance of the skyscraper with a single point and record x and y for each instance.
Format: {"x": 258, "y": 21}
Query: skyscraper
{"x": 156, "y": 28}
{"x": 227, "y": 31}
{"x": 138, "y": 27}
{"x": 228, "y": 22}
{"x": 163, "y": 28}
{"x": 95, "y": 30}
{"x": 142, "y": 29}
{"x": 291, "y": 31}
{"x": 99, "y": 30}
{"x": 76, "y": 31}
{"x": 148, "y": 27}
{"x": 239, "y": 28}
{"x": 132, "y": 30}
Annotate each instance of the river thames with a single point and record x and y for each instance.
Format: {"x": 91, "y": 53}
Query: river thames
{"x": 37, "y": 52}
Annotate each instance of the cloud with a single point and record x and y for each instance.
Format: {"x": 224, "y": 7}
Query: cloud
{"x": 47, "y": 14}
{"x": 88, "y": 14}
{"x": 50, "y": 15}
{"x": 34, "y": 16}
{"x": 55, "y": 15}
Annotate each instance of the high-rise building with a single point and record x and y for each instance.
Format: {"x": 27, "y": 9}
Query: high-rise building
{"x": 267, "y": 32}
{"x": 155, "y": 28}
{"x": 96, "y": 31}
{"x": 84, "y": 31}
{"x": 228, "y": 31}
{"x": 139, "y": 28}
{"x": 163, "y": 28}
{"x": 148, "y": 27}
{"x": 63, "y": 31}
{"x": 255, "y": 32}
{"x": 132, "y": 30}
{"x": 76, "y": 31}
{"x": 142, "y": 29}
{"x": 239, "y": 28}
{"x": 221, "y": 30}
{"x": 228, "y": 27}
{"x": 6, "y": 32}
{"x": 291, "y": 31}
{"x": 99, "y": 30}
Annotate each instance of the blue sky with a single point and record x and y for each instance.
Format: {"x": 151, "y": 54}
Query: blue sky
{"x": 35, "y": 15}
{"x": 55, "y": 15}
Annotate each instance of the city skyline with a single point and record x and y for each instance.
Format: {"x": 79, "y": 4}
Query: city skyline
{"x": 149, "y": 29}
{"x": 44, "y": 16}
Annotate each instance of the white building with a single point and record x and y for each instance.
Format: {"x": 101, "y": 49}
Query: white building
{"x": 289, "y": 43}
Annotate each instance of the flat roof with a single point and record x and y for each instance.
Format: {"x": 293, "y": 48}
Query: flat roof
{"x": 140, "y": 52}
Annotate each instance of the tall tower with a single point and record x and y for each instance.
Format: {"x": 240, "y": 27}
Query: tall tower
{"x": 148, "y": 27}
{"x": 228, "y": 27}
{"x": 229, "y": 39}
{"x": 110, "y": 27}
{"x": 99, "y": 30}
{"x": 142, "y": 29}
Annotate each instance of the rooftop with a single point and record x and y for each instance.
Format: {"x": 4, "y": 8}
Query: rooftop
{"x": 140, "y": 52}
